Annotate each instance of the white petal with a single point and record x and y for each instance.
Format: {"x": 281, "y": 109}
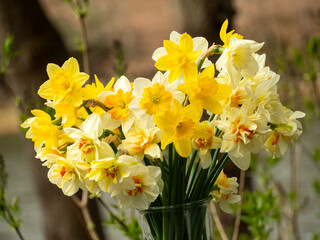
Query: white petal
{"x": 140, "y": 84}
{"x": 92, "y": 126}
{"x": 108, "y": 122}
{"x": 122, "y": 83}
{"x": 200, "y": 44}
{"x": 175, "y": 37}
{"x": 159, "y": 52}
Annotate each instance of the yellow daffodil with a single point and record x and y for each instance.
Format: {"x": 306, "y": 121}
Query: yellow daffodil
{"x": 155, "y": 99}
{"x": 118, "y": 102}
{"x": 42, "y": 130}
{"x": 179, "y": 59}
{"x": 91, "y": 91}
{"x": 64, "y": 84}
{"x": 206, "y": 92}
{"x": 225, "y": 37}
{"x": 178, "y": 126}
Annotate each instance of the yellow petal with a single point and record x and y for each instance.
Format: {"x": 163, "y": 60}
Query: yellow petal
{"x": 167, "y": 137}
{"x": 52, "y": 69}
{"x": 186, "y": 43}
{"x": 170, "y": 46}
{"x": 183, "y": 147}
{"x": 190, "y": 72}
{"x": 223, "y": 92}
{"x": 71, "y": 66}
{"x": 212, "y": 105}
{"x": 163, "y": 63}
{"x": 208, "y": 72}
{"x": 223, "y": 31}
{"x": 174, "y": 74}
{"x": 45, "y": 91}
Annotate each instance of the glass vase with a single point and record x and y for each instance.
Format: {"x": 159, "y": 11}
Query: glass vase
{"x": 189, "y": 221}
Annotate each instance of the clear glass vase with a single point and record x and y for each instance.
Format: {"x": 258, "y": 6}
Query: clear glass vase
{"x": 189, "y": 221}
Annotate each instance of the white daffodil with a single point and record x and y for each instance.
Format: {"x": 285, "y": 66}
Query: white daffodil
{"x": 140, "y": 189}
{"x": 65, "y": 175}
{"x": 204, "y": 140}
{"x": 243, "y": 132}
{"x": 142, "y": 140}
{"x": 108, "y": 173}
{"x": 48, "y": 156}
{"x": 225, "y": 192}
{"x": 239, "y": 59}
{"x": 87, "y": 146}
{"x": 118, "y": 102}
{"x": 284, "y": 134}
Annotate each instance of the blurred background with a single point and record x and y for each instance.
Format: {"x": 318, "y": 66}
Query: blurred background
{"x": 47, "y": 31}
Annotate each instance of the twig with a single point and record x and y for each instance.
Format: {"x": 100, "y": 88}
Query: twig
{"x": 218, "y": 222}
{"x": 84, "y": 36}
{"x": 95, "y": 103}
{"x": 16, "y": 228}
{"x": 82, "y": 204}
{"x": 238, "y": 214}
{"x": 113, "y": 215}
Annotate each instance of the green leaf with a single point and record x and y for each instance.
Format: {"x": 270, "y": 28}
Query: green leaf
{"x": 313, "y": 46}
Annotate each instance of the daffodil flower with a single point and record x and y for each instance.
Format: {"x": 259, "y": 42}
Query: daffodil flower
{"x": 118, "y": 101}
{"x": 243, "y": 129}
{"x": 180, "y": 59}
{"x": 65, "y": 175}
{"x": 87, "y": 146}
{"x": 141, "y": 188}
{"x": 226, "y": 37}
{"x": 41, "y": 129}
{"x": 178, "y": 126}
{"x": 153, "y": 96}
{"x": 206, "y": 92}
{"x": 204, "y": 140}
{"x": 142, "y": 140}
{"x": 226, "y": 192}
{"x": 64, "y": 84}
{"x": 108, "y": 173}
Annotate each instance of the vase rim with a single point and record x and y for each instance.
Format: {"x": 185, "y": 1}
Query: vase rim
{"x": 182, "y": 205}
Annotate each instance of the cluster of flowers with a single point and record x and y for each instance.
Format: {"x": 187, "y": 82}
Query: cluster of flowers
{"x": 101, "y": 135}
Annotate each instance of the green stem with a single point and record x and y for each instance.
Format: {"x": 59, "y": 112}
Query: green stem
{"x": 200, "y": 63}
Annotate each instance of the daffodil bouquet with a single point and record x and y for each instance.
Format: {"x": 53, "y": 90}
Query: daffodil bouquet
{"x": 145, "y": 142}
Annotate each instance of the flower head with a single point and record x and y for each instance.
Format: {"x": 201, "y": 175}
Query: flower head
{"x": 178, "y": 126}
{"x": 204, "y": 140}
{"x": 140, "y": 189}
{"x": 226, "y": 37}
{"x": 64, "y": 84}
{"x": 180, "y": 59}
{"x": 206, "y": 92}
{"x": 41, "y": 129}
{"x": 226, "y": 192}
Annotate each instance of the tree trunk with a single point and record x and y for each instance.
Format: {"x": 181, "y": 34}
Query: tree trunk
{"x": 39, "y": 44}
{"x": 205, "y": 17}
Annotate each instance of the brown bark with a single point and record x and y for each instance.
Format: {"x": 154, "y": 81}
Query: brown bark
{"x": 205, "y": 17}
{"x": 39, "y": 44}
